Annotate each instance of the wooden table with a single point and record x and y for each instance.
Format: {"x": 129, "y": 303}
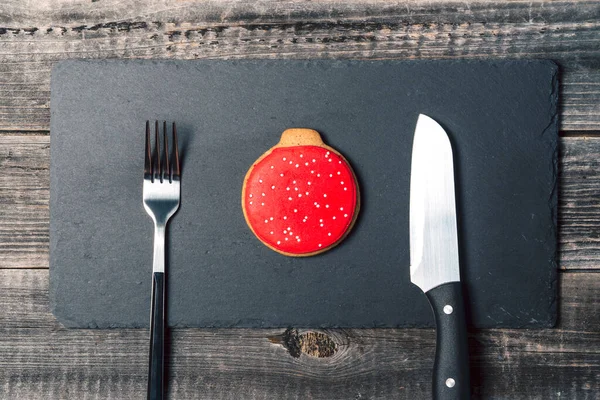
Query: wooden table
{"x": 39, "y": 359}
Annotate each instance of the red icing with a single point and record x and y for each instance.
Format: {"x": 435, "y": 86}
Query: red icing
{"x": 323, "y": 196}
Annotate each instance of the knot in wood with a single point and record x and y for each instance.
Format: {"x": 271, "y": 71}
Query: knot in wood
{"x": 314, "y": 344}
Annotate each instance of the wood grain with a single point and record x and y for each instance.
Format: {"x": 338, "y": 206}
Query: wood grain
{"x": 24, "y": 196}
{"x": 579, "y": 203}
{"x": 41, "y": 360}
{"x": 24, "y": 199}
{"x": 36, "y": 36}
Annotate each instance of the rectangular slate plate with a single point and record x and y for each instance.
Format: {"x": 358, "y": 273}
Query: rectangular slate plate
{"x": 501, "y": 118}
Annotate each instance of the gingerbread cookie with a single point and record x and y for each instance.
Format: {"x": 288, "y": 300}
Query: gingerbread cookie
{"x": 300, "y": 198}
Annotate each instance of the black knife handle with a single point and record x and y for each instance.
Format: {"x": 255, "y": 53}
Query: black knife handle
{"x": 451, "y": 368}
{"x": 157, "y": 338}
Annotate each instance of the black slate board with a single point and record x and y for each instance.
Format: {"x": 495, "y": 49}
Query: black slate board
{"x": 501, "y": 117}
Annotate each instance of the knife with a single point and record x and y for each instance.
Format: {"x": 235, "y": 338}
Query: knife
{"x": 434, "y": 265}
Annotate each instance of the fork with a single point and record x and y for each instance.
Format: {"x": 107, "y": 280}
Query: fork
{"x": 161, "y": 201}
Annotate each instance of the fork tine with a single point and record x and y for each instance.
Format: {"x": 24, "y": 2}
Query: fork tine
{"x": 166, "y": 147}
{"x": 148, "y": 154}
{"x": 176, "y": 165}
{"x": 157, "y": 168}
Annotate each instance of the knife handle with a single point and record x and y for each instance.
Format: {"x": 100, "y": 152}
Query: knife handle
{"x": 157, "y": 337}
{"x": 451, "y": 368}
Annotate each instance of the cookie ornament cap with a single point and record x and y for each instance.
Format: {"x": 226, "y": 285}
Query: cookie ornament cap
{"x": 301, "y": 197}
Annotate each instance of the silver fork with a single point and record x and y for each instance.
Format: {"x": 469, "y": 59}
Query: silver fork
{"x": 161, "y": 200}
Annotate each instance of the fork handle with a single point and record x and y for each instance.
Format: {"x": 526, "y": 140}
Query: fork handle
{"x": 157, "y": 336}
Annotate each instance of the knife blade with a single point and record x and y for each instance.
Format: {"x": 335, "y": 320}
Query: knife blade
{"x": 434, "y": 262}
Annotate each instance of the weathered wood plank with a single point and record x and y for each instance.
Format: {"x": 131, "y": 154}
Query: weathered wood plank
{"x": 579, "y": 303}
{"x": 579, "y": 203}
{"x": 24, "y": 198}
{"x": 66, "y": 11}
{"x": 35, "y": 37}
{"x": 24, "y": 194}
{"x": 39, "y": 359}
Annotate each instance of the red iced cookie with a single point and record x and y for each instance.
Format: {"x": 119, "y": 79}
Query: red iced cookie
{"x": 300, "y": 198}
